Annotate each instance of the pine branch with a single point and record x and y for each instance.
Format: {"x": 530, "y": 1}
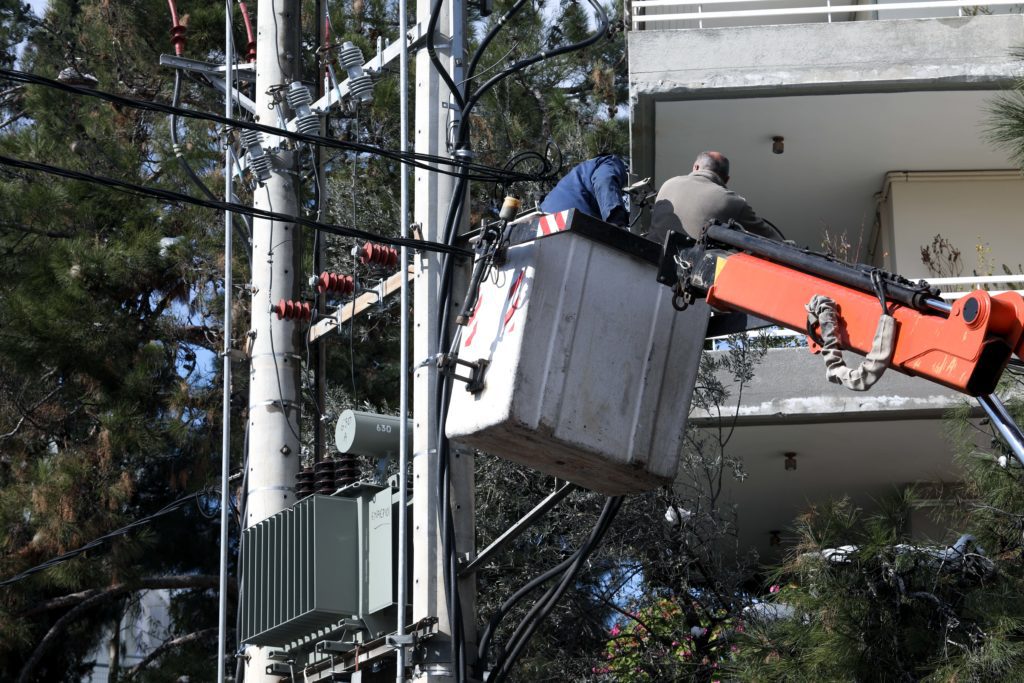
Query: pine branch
{"x": 160, "y": 650}
{"x": 97, "y": 597}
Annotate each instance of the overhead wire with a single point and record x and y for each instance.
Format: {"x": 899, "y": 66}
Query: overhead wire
{"x": 522, "y": 635}
{"x": 428, "y": 162}
{"x": 245, "y": 222}
{"x": 180, "y": 198}
{"x": 71, "y": 554}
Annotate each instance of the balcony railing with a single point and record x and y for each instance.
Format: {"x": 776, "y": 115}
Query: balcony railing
{"x": 663, "y": 14}
{"x": 952, "y": 288}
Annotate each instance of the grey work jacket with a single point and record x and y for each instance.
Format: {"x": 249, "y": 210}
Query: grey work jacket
{"x": 688, "y": 202}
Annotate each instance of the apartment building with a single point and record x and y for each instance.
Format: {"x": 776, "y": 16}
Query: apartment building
{"x": 860, "y": 125}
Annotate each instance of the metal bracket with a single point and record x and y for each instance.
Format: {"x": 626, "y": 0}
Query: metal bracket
{"x": 279, "y": 669}
{"x": 335, "y": 646}
{"x": 416, "y": 35}
{"x": 474, "y": 382}
{"x": 404, "y": 640}
{"x": 215, "y": 74}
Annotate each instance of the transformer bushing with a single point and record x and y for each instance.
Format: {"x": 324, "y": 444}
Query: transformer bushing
{"x": 305, "y": 483}
{"x": 360, "y": 85}
{"x": 347, "y": 470}
{"x": 323, "y": 473}
{"x": 306, "y": 122}
{"x": 259, "y": 162}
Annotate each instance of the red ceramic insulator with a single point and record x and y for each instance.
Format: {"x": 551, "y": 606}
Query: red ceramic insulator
{"x": 178, "y": 38}
{"x": 335, "y": 284}
{"x": 292, "y": 310}
{"x": 378, "y": 255}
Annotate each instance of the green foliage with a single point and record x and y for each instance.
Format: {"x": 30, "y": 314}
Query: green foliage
{"x": 667, "y": 641}
{"x": 859, "y": 600}
{"x": 1006, "y": 120}
{"x": 105, "y": 415}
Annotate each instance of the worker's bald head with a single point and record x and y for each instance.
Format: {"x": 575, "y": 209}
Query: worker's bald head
{"x": 714, "y": 162}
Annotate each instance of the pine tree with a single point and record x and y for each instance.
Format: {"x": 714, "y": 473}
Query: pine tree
{"x": 109, "y": 306}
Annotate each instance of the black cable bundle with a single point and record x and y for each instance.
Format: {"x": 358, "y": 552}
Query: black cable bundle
{"x": 444, "y": 387}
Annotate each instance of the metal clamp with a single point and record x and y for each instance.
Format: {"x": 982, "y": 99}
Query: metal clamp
{"x": 475, "y": 381}
{"x": 279, "y": 669}
{"x": 404, "y": 640}
{"x": 335, "y": 646}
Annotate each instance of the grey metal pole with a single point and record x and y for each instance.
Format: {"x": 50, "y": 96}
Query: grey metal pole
{"x": 225, "y": 458}
{"x": 403, "y": 378}
{"x": 274, "y": 397}
{"x": 1004, "y": 424}
{"x": 431, "y": 194}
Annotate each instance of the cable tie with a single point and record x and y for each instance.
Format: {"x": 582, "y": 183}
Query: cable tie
{"x": 430, "y": 360}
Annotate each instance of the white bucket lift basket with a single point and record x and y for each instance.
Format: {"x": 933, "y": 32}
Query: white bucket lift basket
{"x": 589, "y": 370}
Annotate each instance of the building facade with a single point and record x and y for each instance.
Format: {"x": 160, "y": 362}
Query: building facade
{"x": 882, "y": 112}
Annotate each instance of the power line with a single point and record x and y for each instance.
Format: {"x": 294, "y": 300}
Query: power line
{"x": 71, "y": 554}
{"x": 460, "y": 168}
{"x": 179, "y": 198}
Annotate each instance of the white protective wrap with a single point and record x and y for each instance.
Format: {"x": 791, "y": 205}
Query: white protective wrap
{"x": 822, "y": 311}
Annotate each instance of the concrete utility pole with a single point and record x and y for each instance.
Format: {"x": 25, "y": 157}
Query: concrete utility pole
{"x": 274, "y": 396}
{"x": 434, "y": 112}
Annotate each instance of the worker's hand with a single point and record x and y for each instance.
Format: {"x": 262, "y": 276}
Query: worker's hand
{"x": 618, "y": 217}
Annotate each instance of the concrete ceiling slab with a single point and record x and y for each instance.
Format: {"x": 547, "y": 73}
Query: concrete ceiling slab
{"x": 838, "y": 149}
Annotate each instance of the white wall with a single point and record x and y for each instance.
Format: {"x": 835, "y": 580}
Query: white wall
{"x": 980, "y": 212}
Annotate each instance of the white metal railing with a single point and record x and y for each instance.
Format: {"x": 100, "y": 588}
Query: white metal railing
{"x": 962, "y": 286}
{"x": 640, "y": 17}
{"x": 972, "y": 282}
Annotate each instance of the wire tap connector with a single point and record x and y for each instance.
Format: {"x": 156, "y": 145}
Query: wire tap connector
{"x": 299, "y": 99}
{"x": 360, "y": 85}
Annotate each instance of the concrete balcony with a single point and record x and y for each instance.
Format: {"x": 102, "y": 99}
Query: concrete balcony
{"x": 868, "y": 446}
{"x": 855, "y": 102}
{"x": 883, "y": 119}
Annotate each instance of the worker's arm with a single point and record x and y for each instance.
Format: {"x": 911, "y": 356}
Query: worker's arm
{"x": 608, "y": 179}
{"x": 751, "y": 222}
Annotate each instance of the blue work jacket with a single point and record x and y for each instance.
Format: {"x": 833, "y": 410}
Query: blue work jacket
{"x": 594, "y": 187}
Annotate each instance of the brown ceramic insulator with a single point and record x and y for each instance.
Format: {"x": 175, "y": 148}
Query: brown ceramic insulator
{"x": 305, "y": 483}
{"x": 324, "y": 476}
{"x": 347, "y": 471}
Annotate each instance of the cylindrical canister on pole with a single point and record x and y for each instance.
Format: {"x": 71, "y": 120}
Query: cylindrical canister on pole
{"x": 367, "y": 434}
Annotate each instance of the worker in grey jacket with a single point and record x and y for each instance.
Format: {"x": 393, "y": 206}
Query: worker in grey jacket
{"x": 686, "y": 203}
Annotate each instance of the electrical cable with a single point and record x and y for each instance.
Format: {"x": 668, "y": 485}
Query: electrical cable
{"x": 443, "y": 390}
{"x": 177, "y": 197}
{"x": 601, "y": 31}
{"x": 499, "y": 24}
{"x": 245, "y": 222}
{"x": 187, "y": 167}
{"x": 71, "y": 554}
{"x": 428, "y": 162}
{"x": 505, "y": 607}
{"x": 270, "y": 334}
{"x": 543, "y": 607}
{"x": 435, "y": 15}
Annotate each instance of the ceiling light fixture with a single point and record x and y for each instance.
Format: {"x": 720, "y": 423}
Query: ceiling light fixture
{"x": 790, "y": 461}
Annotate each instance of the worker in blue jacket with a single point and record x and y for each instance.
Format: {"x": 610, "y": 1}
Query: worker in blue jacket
{"x": 595, "y": 188}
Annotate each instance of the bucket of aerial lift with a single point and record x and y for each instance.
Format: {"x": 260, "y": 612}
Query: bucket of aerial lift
{"x": 589, "y": 369}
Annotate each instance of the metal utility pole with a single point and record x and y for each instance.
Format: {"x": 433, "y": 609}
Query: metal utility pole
{"x": 274, "y": 396}
{"x": 225, "y": 493}
{"x": 434, "y": 114}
